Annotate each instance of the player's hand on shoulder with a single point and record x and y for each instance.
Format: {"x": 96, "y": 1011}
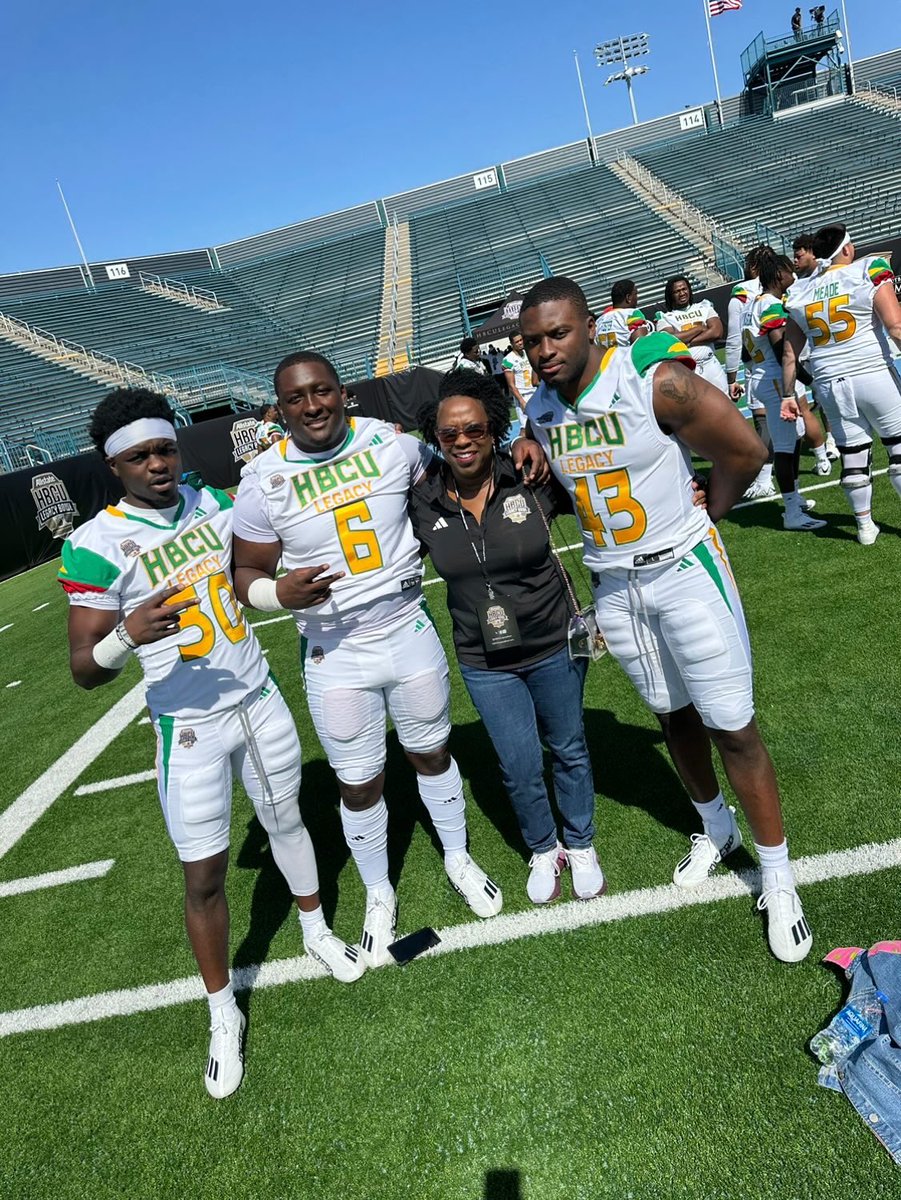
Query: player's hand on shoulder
{"x": 304, "y": 587}
{"x": 159, "y": 617}
{"x": 529, "y": 458}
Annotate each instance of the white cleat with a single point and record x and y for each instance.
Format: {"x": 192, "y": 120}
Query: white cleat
{"x": 808, "y": 505}
{"x": 800, "y": 521}
{"x": 822, "y": 466}
{"x": 867, "y": 532}
{"x": 338, "y": 958}
{"x": 379, "y": 927}
{"x": 832, "y": 452}
{"x": 787, "y": 930}
{"x": 225, "y": 1062}
{"x": 544, "y": 875}
{"x": 760, "y": 489}
{"x": 705, "y": 856}
{"x": 588, "y": 878}
{"x": 482, "y": 894}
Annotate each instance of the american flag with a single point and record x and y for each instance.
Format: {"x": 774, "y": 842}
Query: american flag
{"x": 716, "y": 7}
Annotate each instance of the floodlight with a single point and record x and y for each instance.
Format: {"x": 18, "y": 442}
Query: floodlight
{"x": 620, "y": 50}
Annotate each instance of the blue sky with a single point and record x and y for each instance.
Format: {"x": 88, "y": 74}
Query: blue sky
{"x": 175, "y": 125}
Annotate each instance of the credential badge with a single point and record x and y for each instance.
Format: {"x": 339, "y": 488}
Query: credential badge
{"x": 516, "y": 509}
{"x": 496, "y": 616}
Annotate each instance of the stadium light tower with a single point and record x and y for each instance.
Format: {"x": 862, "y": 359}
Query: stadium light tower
{"x": 620, "y": 50}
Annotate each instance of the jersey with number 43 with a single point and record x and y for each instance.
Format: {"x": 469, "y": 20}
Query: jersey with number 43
{"x": 347, "y": 509}
{"x": 631, "y": 483}
{"x": 834, "y": 308}
{"x": 118, "y": 559}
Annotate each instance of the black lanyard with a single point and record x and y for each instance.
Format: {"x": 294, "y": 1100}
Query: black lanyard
{"x": 481, "y": 559}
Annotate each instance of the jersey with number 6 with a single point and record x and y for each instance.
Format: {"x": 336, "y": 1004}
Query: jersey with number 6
{"x": 346, "y": 509}
{"x": 631, "y": 483}
{"x": 119, "y": 559}
{"x": 834, "y": 308}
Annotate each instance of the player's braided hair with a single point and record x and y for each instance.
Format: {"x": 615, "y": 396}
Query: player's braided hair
{"x": 827, "y": 240}
{"x": 669, "y": 296}
{"x": 770, "y": 266}
{"x": 558, "y": 287}
{"x": 123, "y": 406}
{"x": 752, "y": 258}
{"x": 304, "y": 356}
{"x": 475, "y": 387}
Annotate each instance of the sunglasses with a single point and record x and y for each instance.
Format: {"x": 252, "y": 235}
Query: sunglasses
{"x": 448, "y": 434}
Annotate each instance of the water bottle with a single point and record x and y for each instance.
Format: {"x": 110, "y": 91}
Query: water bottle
{"x": 848, "y": 1028}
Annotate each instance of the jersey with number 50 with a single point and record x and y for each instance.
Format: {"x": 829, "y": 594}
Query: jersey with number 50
{"x": 834, "y": 309}
{"x": 631, "y": 483}
{"x": 123, "y": 556}
{"x": 346, "y": 509}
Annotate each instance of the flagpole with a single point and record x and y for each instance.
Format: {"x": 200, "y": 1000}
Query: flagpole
{"x": 584, "y": 101}
{"x": 75, "y": 235}
{"x": 716, "y": 82}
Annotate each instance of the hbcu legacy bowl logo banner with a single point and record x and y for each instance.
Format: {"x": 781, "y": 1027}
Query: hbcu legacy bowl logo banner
{"x": 56, "y": 509}
{"x": 244, "y": 439}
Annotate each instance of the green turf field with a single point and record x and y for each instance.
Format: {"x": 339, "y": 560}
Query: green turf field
{"x": 655, "y": 1055}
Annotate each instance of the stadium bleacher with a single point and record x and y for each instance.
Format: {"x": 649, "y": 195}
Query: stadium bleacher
{"x": 323, "y": 282}
{"x": 792, "y": 172}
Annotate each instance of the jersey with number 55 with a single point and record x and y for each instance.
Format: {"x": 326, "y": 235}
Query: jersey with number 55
{"x": 631, "y": 483}
{"x": 125, "y": 555}
{"x": 834, "y": 308}
{"x": 346, "y": 509}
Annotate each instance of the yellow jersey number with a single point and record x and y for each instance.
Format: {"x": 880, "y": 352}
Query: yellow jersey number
{"x": 360, "y": 545}
{"x": 229, "y": 617}
{"x": 605, "y": 495}
{"x": 833, "y": 324}
{"x": 754, "y": 353}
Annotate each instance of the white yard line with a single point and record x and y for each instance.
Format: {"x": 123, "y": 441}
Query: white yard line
{"x": 16, "y": 820}
{"x": 35, "y": 883}
{"x": 120, "y": 781}
{"x": 560, "y": 918}
{"x": 46, "y": 604}
{"x": 4, "y": 628}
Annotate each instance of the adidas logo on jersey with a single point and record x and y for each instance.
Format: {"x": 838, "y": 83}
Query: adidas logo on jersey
{"x": 439, "y": 524}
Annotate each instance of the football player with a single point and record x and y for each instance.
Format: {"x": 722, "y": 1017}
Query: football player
{"x": 150, "y": 577}
{"x": 622, "y": 321}
{"x": 763, "y": 330}
{"x": 331, "y": 502}
{"x": 618, "y": 429}
{"x": 847, "y": 312}
{"x": 742, "y": 293}
{"x": 697, "y": 325}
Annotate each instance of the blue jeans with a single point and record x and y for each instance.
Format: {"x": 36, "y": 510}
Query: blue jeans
{"x": 521, "y": 707}
{"x": 870, "y": 1075}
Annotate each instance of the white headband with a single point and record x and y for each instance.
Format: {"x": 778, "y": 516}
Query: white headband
{"x": 145, "y": 429}
{"x": 827, "y": 262}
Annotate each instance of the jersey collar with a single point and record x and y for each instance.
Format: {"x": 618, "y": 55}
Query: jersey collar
{"x": 287, "y": 444}
{"x": 127, "y": 516}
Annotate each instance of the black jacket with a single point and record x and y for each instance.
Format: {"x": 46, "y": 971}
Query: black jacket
{"x": 519, "y": 564}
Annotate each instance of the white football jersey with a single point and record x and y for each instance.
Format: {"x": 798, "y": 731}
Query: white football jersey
{"x": 759, "y": 316}
{"x": 680, "y": 320}
{"x": 522, "y": 372}
{"x": 742, "y": 293}
{"x": 631, "y": 483}
{"x": 347, "y": 509}
{"x": 615, "y": 326}
{"x": 834, "y": 309}
{"x": 124, "y": 555}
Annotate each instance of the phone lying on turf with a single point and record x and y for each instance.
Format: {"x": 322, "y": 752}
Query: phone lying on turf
{"x": 407, "y": 948}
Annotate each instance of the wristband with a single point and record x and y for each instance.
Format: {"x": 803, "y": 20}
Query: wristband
{"x": 261, "y": 594}
{"x": 111, "y": 652}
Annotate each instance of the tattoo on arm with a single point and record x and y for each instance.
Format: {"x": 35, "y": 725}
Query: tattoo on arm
{"x": 679, "y": 386}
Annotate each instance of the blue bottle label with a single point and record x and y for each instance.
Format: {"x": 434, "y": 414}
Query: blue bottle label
{"x": 858, "y": 1025}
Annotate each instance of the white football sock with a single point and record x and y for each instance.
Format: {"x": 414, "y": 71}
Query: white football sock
{"x": 223, "y": 999}
{"x": 775, "y": 868}
{"x": 819, "y": 453}
{"x": 366, "y": 834}
{"x": 766, "y": 473}
{"x": 311, "y": 921}
{"x": 443, "y": 797}
{"x": 716, "y": 818}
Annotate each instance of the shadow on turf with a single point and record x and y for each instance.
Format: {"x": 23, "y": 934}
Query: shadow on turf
{"x": 502, "y": 1183}
{"x": 839, "y": 526}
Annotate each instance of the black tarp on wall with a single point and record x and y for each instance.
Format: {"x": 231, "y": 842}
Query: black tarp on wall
{"x": 40, "y": 506}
